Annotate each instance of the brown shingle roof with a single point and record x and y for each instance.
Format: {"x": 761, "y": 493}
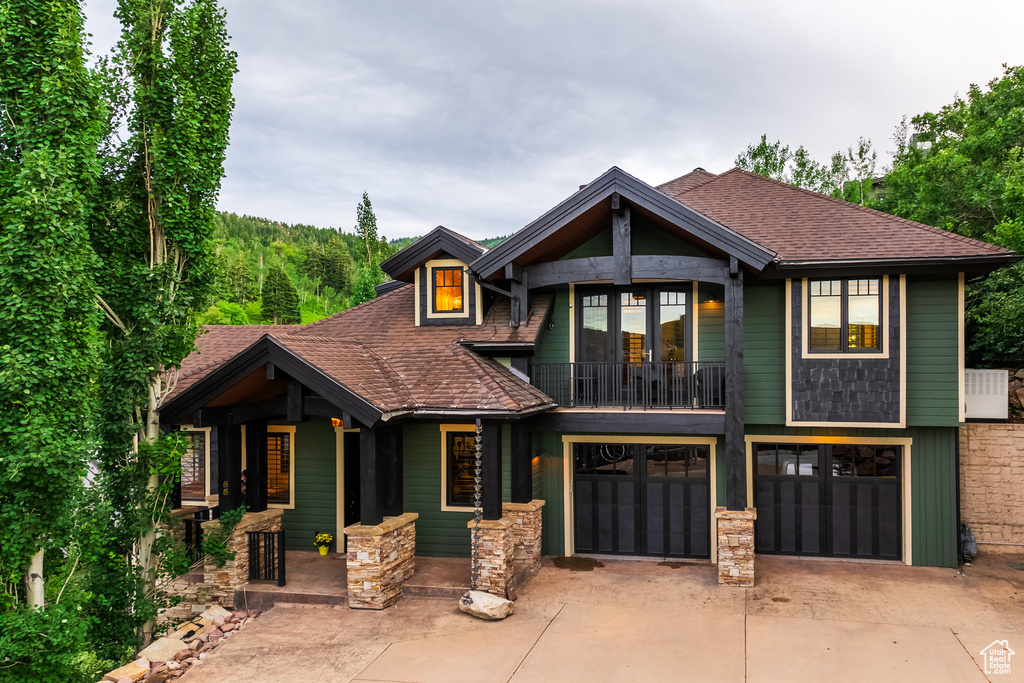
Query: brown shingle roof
{"x": 800, "y": 225}
{"x": 376, "y": 351}
{"x": 683, "y": 183}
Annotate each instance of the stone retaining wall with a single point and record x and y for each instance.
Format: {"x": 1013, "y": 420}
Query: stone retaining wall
{"x": 992, "y": 485}
{"x": 380, "y": 559}
{"x": 735, "y": 546}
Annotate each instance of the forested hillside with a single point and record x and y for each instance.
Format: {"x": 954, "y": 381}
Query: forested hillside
{"x": 271, "y": 272}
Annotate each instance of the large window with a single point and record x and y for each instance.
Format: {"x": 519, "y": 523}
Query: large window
{"x": 194, "y": 465}
{"x": 845, "y": 315}
{"x": 632, "y": 325}
{"x": 279, "y": 468}
{"x": 448, "y": 290}
{"x": 460, "y": 466}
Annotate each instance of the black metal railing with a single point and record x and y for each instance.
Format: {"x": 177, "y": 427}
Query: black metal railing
{"x": 194, "y": 532}
{"x": 266, "y": 556}
{"x": 632, "y": 385}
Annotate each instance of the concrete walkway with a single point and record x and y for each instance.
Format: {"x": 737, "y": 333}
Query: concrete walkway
{"x": 806, "y": 620}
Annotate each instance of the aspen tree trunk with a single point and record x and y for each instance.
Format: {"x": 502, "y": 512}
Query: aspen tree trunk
{"x": 34, "y": 581}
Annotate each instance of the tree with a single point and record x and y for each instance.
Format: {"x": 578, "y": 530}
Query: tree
{"x": 50, "y": 126}
{"x": 280, "y": 300}
{"x": 337, "y": 266}
{"x": 241, "y": 283}
{"x": 962, "y": 169}
{"x": 774, "y": 160}
{"x": 171, "y": 83}
{"x": 366, "y": 227}
{"x": 861, "y": 164}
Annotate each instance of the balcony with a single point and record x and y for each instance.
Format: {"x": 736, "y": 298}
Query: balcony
{"x": 645, "y": 385}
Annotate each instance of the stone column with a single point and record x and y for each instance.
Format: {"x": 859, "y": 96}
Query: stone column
{"x": 526, "y": 536}
{"x": 380, "y": 559}
{"x": 735, "y": 546}
{"x": 495, "y": 555}
{"x": 234, "y": 575}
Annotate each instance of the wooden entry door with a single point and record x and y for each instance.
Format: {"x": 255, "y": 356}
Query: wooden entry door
{"x": 642, "y": 499}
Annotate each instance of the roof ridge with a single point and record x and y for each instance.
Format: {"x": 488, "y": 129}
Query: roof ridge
{"x": 866, "y": 209}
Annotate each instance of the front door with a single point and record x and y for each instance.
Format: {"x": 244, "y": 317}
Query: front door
{"x": 833, "y": 500}
{"x": 642, "y": 499}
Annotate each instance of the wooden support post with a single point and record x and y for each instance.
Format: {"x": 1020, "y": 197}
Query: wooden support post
{"x": 296, "y": 409}
{"x": 256, "y": 473}
{"x": 391, "y": 464}
{"x": 622, "y": 243}
{"x": 735, "y": 449}
{"x": 270, "y": 371}
{"x": 229, "y": 454}
{"x": 370, "y": 508}
{"x": 491, "y": 474}
{"x": 522, "y": 463}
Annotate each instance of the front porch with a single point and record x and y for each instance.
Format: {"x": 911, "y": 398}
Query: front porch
{"x": 322, "y": 580}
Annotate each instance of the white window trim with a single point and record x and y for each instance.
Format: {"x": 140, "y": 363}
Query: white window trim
{"x": 445, "y": 429}
{"x": 905, "y": 471}
{"x": 206, "y": 465}
{"x": 281, "y": 429}
{"x": 567, "y": 477}
{"x": 805, "y": 326}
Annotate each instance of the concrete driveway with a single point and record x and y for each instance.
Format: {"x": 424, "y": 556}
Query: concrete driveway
{"x": 806, "y": 620}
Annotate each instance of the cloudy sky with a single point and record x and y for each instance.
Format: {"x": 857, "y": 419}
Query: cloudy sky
{"x": 482, "y": 115}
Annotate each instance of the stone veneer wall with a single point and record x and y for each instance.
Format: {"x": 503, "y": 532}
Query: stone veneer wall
{"x": 527, "y": 525}
{"x": 735, "y": 546}
{"x": 220, "y": 583}
{"x": 380, "y": 559}
{"x": 496, "y": 554}
{"x": 992, "y": 485}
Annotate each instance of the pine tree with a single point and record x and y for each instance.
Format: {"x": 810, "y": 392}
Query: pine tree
{"x": 280, "y": 300}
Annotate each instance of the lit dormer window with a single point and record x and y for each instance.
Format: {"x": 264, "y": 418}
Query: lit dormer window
{"x": 448, "y": 290}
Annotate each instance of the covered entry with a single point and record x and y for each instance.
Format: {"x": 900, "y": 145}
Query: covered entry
{"x": 829, "y": 499}
{"x": 642, "y": 498}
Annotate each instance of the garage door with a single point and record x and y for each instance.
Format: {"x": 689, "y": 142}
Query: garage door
{"x": 832, "y": 500}
{"x": 641, "y": 499}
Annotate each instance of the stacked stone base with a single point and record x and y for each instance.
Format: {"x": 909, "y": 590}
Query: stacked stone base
{"x": 992, "y": 485}
{"x": 527, "y": 527}
{"x": 380, "y": 559}
{"x": 735, "y": 546}
{"x": 218, "y": 584}
{"x": 495, "y": 555}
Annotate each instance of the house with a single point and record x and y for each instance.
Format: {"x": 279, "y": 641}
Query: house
{"x": 674, "y": 371}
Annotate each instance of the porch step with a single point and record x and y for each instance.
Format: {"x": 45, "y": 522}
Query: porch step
{"x": 410, "y": 590}
{"x": 265, "y": 599}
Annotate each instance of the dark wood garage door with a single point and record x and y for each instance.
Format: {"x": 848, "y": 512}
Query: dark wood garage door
{"x": 833, "y": 500}
{"x": 642, "y": 499}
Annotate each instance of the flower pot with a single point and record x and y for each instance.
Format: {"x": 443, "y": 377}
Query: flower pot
{"x": 323, "y": 550}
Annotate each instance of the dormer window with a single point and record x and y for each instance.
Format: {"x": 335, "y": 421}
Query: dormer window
{"x": 448, "y": 290}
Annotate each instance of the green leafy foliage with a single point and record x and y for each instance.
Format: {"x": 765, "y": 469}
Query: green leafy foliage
{"x": 845, "y": 175}
{"x": 215, "y": 540}
{"x": 50, "y": 127}
{"x": 962, "y": 169}
{"x": 280, "y": 300}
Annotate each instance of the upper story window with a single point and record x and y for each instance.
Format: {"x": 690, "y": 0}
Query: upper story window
{"x": 845, "y": 315}
{"x": 448, "y": 290}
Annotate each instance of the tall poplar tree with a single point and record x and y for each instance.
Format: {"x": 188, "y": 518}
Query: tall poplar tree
{"x": 50, "y": 125}
{"x": 171, "y": 76}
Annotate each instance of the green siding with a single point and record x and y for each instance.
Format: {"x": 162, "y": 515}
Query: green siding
{"x": 548, "y": 446}
{"x": 315, "y": 486}
{"x": 647, "y": 240}
{"x": 932, "y": 353}
{"x": 439, "y": 533}
{"x": 553, "y": 344}
{"x": 933, "y": 484}
{"x": 599, "y": 245}
{"x": 710, "y": 323}
{"x": 764, "y": 352}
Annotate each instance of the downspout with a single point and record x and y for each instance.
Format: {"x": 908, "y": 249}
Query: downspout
{"x": 514, "y": 321}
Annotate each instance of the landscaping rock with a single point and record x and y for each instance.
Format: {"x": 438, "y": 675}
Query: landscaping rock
{"x": 163, "y": 649}
{"x": 190, "y": 629}
{"x": 216, "y": 612}
{"x": 228, "y": 627}
{"x": 486, "y": 606}
{"x": 133, "y": 671}
{"x": 239, "y": 615}
{"x": 160, "y": 677}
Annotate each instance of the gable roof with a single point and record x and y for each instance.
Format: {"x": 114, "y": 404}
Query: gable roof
{"x": 804, "y": 227}
{"x": 437, "y": 241}
{"x": 371, "y": 370}
{"x": 637, "y": 192}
